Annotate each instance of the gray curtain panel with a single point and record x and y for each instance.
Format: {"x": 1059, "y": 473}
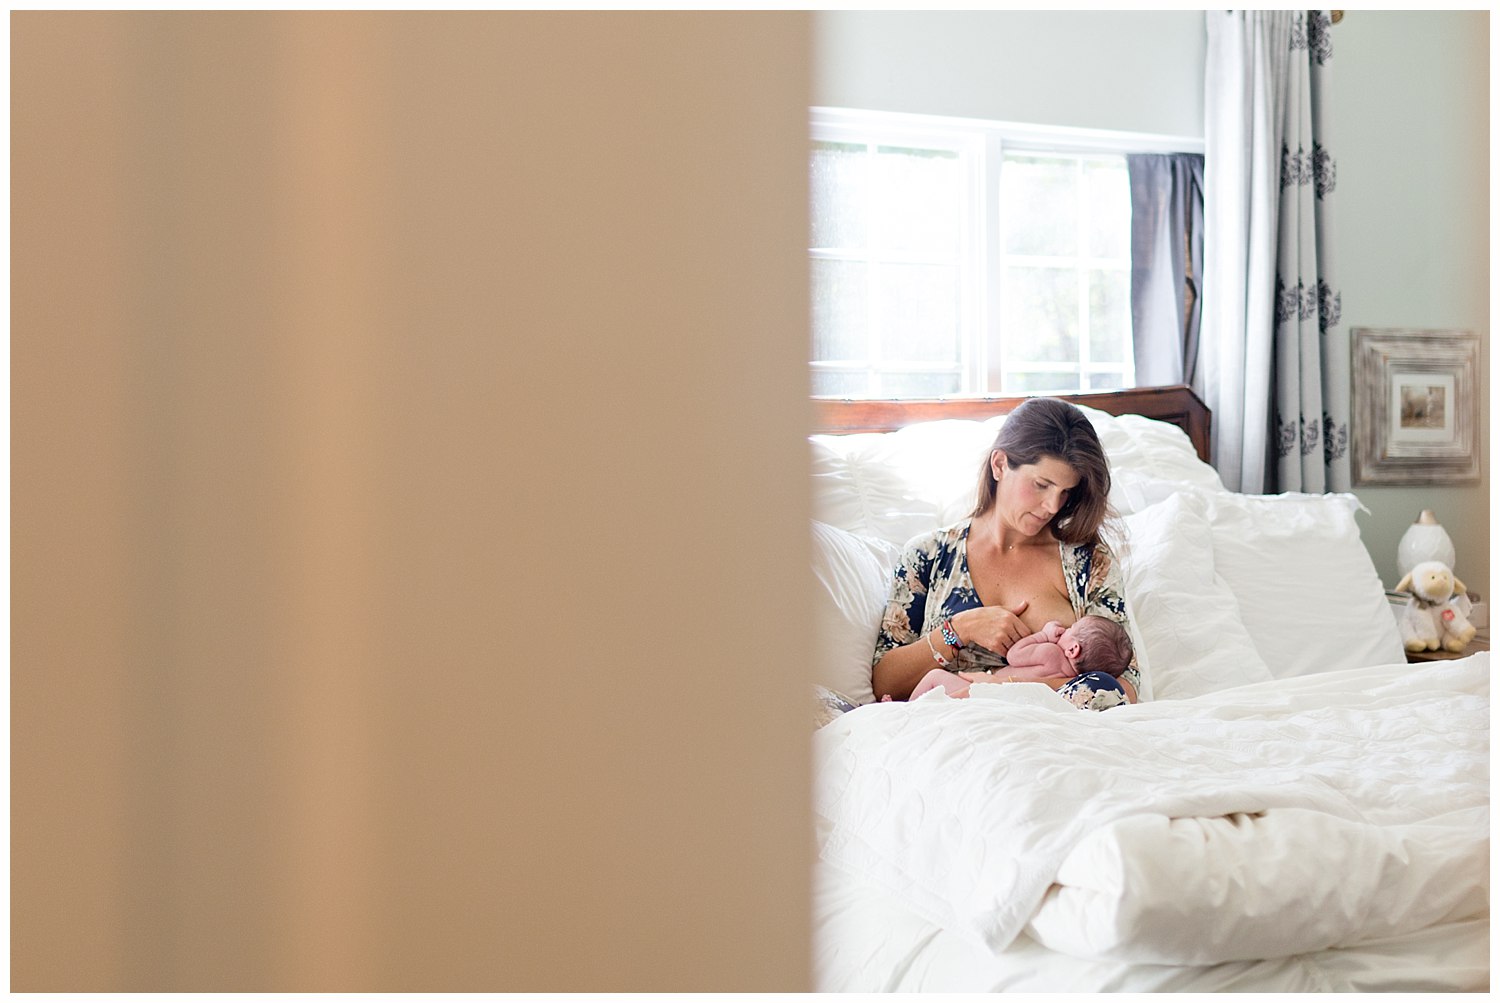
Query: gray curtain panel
{"x": 1166, "y": 262}
{"x": 1311, "y": 435}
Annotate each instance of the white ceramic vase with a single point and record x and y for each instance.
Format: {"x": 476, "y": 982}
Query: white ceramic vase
{"x": 1424, "y": 540}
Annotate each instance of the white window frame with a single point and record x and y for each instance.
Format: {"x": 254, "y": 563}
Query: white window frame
{"x": 911, "y": 131}
{"x": 983, "y": 145}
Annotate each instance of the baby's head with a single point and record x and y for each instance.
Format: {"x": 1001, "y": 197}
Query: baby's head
{"x": 1104, "y": 646}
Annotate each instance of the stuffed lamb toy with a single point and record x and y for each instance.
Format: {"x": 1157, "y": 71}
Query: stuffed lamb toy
{"x": 1437, "y": 614}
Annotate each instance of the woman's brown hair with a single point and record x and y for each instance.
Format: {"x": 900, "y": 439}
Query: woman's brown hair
{"x": 1046, "y": 426}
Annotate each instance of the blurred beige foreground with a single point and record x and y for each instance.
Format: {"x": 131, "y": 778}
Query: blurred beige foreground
{"x": 409, "y": 508}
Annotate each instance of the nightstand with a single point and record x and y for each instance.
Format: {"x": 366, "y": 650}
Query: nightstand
{"x": 1481, "y": 642}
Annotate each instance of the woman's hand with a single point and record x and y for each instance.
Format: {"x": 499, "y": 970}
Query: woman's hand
{"x": 993, "y": 627}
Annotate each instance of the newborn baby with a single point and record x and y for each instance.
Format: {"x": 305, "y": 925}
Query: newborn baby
{"x": 1052, "y": 655}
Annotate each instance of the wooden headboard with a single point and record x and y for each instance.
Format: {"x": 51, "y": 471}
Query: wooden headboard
{"x": 1176, "y": 404}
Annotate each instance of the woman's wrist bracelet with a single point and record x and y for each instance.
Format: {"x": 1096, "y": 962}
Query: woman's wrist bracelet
{"x": 950, "y": 635}
{"x": 933, "y": 648}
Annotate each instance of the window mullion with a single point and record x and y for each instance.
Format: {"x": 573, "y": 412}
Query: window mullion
{"x": 990, "y": 363}
{"x": 872, "y": 332}
{"x": 1084, "y": 311}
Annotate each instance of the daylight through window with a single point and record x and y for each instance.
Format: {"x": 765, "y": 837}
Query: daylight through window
{"x": 961, "y": 257}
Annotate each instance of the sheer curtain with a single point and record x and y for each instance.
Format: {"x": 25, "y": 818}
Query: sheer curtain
{"x": 1166, "y": 254}
{"x": 1274, "y": 361}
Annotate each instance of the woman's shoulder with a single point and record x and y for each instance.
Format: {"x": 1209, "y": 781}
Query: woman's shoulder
{"x": 1098, "y": 550}
{"x": 938, "y": 540}
{"x": 1087, "y": 559}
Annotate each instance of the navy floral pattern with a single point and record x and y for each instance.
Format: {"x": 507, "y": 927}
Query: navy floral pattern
{"x": 1325, "y": 171}
{"x": 932, "y": 582}
{"x": 1335, "y": 439}
{"x": 1319, "y": 35}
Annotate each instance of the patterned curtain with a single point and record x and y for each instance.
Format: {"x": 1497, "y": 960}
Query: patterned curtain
{"x": 1312, "y": 347}
{"x": 1274, "y": 359}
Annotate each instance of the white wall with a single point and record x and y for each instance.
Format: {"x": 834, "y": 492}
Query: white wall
{"x": 1139, "y": 72}
{"x": 1411, "y": 99}
{"x": 1411, "y": 113}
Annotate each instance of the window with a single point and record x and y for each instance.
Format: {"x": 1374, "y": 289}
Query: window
{"x": 1065, "y": 273}
{"x": 951, "y": 256}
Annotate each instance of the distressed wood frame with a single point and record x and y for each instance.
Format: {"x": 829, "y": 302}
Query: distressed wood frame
{"x": 1396, "y": 442}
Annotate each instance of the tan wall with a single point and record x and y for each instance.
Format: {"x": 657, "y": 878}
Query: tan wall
{"x": 409, "y": 502}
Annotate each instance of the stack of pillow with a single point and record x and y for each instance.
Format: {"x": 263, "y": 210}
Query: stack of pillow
{"x": 1222, "y": 588}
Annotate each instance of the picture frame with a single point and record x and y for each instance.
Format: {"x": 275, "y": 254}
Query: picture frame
{"x": 1416, "y": 406}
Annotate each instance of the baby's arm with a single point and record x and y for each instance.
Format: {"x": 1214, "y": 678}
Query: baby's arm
{"x": 1023, "y": 652}
{"x": 1039, "y": 653}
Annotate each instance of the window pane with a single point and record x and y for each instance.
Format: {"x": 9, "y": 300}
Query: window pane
{"x": 838, "y": 195}
{"x": 916, "y": 309}
{"x": 1041, "y": 315}
{"x": 827, "y": 384}
{"x": 1017, "y": 382}
{"x": 1039, "y": 205}
{"x": 896, "y": 279}
{"x": 918, "y": 198}
{"x": 919, "y": 384}
{"x": 839, "y": 310}
{"x": 1109, "y": 315}
{"x": 1109, "y": 208}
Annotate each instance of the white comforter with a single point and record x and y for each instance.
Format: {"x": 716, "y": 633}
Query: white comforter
{"x": 1257, "y": 822}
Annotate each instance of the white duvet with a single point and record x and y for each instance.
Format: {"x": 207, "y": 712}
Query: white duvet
{"x": 1257, "y": 822}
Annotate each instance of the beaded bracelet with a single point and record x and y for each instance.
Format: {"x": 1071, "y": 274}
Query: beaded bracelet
{"x": 935, "y": 656}
{"x": 949, "y": 634}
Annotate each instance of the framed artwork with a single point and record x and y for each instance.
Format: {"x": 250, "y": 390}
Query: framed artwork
{"x": 1416, "y": 406}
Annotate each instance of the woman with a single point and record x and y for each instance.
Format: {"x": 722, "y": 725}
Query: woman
{"x": 1029, "y": 553}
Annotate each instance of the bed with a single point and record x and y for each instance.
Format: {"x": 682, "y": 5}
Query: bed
{"x": 1290, "y": 807}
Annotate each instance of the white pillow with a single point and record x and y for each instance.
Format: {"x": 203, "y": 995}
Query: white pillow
{"x": 854, "y": 574}
{"x": 1189, "y": 635}
{"x": 897, "y": 485}
{"x": 1307, "y": 589}
{"x": 1148, "y": 460}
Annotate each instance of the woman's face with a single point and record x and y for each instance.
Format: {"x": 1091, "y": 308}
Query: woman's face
{"x": 1031, "y": 494}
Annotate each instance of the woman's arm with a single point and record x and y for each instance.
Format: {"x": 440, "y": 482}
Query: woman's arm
{"x": 900, "y": 669}
{"x": 901, "y": 656}
{"x": 1100, "y": 592}
{"x": 1106, "y": 597}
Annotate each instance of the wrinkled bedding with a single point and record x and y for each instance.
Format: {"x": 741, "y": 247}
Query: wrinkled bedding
{"x": 1260, "y": 822}
{"x": 867, "y": 941}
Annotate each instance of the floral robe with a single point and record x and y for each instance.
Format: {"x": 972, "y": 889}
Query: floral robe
{"x": 932, "y": 582}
